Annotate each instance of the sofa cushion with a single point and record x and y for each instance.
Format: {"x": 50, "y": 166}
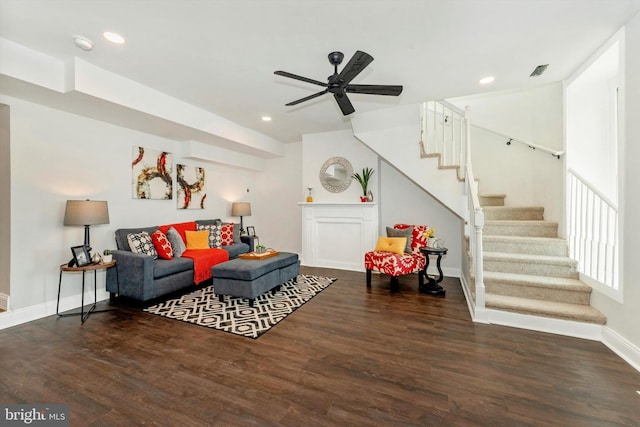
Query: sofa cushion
{"x": 177, "y": 244}
{"x": 163, "y": 267}
{"x": 418, "y": 238}
{"x": 406, "y": 233}
{"x": 394, "y": 245}
{"x": 236, "y": 249}
{"x": 215, "y": 237}
{"x": 180, "y": 227}
{"x": 141, "y": 243}
{"x": 226, "y": 234}
{"x": 162, "y": 245}
{"x": 122, "y": 243}
{"x": 197, "y": 239}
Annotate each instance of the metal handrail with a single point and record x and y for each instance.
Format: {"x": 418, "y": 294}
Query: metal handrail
{"x": 554, "y": 153}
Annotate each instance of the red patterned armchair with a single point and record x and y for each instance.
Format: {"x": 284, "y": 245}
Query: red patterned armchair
{"x": 395, "y": 264}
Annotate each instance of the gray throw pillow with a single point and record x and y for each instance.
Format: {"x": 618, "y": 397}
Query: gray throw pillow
{"x": 177, "y": 244}
{"x": 407, "y": 232}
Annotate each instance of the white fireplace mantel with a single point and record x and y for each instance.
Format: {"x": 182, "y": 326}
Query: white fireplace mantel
{"x": 337, "y": 235}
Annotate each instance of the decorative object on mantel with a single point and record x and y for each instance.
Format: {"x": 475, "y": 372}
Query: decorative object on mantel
{"x": 309, "y": 197}
{"x": 336, "y": 174}
{"x": 364, "y": 183}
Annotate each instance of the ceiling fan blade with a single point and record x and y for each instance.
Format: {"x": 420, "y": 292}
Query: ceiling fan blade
{"x": 356, "y": 64}
{"x": 344, "y": 103}
{"x": 304, "y": 79}
{"x": 391, "y": 90}
{"x": 306, "y": 98}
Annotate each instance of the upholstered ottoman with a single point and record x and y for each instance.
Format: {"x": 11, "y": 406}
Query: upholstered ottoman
{"x": 252, "y": 278}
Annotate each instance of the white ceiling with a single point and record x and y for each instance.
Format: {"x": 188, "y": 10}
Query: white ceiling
{"x": 220, "y": 55}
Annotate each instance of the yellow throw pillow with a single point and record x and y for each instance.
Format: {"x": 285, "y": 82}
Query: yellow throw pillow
{"x": 395, "y": 245}
{"x": 197, "y": 239}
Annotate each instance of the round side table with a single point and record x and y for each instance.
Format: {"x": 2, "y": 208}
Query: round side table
{"x": 431, "y": 286}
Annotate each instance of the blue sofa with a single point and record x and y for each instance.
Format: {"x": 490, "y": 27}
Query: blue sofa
{"x": 143, "y": 278}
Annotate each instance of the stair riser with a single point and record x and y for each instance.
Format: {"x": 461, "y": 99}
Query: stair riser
{"x": 551, "y": 249}
{"x": 525, "y": 230}
{"x": 534, "y": 292}
{"x": 549, "y": 270}
{"x": 507, "y": 213}
{"x": 491, "y": 200}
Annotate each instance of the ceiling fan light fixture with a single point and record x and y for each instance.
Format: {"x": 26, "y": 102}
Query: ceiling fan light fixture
{"x": 113, "y": 37}
{"x": 83, "y": 43}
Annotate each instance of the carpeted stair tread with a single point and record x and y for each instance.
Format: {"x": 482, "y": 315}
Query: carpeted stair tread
{"x": 559, "y": 310}
{"x": 526, "y": 245}
{"x": 534, "y": 228}
{"x": 532, "y": 258}
{"x": 538, "y": 281}
{"x": 519, "y": 213}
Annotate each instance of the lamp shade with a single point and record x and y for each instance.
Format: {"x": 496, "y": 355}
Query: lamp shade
{"x": 241, "y": 209}
{"x": 86, "y": 212}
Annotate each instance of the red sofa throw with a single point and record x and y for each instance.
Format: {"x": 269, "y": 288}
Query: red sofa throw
{"x": 203, "y": 260}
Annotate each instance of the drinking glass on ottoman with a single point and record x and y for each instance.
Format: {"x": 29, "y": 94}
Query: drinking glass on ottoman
{"x": 252, "y": 278}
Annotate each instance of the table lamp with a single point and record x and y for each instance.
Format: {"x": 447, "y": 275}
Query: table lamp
{"x": 241, "y": 209}
{"x": 86, "y": 213}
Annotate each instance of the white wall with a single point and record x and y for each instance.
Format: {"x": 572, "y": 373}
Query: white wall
{"x": 318, "y": 148}
{"x": 277, "y": 193}
{"x": 622, "y": 330}
{"x": 402, "y": 201}
{"x": 528, "y": 177}
{"x": 56, "y": 156}
{"x": 5, "y": 208}
{"x": 589, "y": 103}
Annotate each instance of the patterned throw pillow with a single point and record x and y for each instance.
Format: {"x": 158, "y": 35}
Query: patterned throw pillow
{"x": 215, "y": 231}
{"x": 162, "y": 245}
{"x": 140, "y": 243}
{"x": 177, "y": 244}
{"x": 227, "y": 234}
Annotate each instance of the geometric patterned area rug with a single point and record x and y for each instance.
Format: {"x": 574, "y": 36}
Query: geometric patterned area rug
{"x": 234, "y": 315}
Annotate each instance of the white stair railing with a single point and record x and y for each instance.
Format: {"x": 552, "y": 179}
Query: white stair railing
{"x": 592, "y": 230}
{"x": 443, "y": 131}
{"x": 446, "y": 131}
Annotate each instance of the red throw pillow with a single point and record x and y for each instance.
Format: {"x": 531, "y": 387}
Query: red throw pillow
{"x": 162, "y": 245}
{"x": 227, "y": 234}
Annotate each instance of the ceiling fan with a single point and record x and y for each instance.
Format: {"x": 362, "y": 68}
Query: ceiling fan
{"x": 339, "y": 84}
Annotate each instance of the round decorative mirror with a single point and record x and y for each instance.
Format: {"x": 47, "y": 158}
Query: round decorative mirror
{"x": 335, "y": 174}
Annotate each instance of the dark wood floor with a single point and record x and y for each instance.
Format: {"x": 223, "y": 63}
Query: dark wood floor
{"x": 352, "y": 356}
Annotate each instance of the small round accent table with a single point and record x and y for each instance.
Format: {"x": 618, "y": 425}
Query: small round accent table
{"x": 64, "y": 268}
{"x": 432, "y": 287}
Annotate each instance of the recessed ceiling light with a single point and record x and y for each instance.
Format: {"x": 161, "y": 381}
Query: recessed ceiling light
{"x": 83, "y": 42}
{"x": 113, "y": 37}
{"x": 266, "y": 118}
{"x": 487, "y": 80}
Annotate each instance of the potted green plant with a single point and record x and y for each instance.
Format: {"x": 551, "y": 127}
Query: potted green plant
{"x": 107, "y": 257}
{"x": 364, "y": 183}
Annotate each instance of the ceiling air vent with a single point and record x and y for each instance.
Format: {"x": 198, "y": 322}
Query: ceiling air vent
{"x": 539, "y": 70}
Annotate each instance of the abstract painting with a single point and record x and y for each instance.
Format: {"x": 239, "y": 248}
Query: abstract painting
{"x": 151, "y": 174}
{"x": 191, "y": 194}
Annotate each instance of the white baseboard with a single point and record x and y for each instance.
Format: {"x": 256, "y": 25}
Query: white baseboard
{"x": 4, "y": 302}
{"x": 23, "y": 315}
{"x": 623, "y": 348}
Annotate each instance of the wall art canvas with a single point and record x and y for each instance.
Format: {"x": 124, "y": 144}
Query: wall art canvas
{"x": 191, "y": 192}
{"x": 151, "y": 174}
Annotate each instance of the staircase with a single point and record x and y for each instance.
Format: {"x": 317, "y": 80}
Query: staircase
{"x": 526, "y": 267}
